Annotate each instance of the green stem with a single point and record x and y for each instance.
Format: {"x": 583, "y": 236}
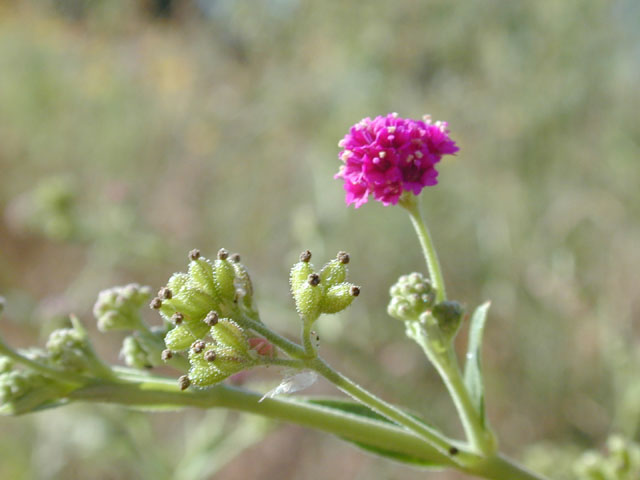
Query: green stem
{"x": 308, "y": 345}
{"x": 161, "y": 392}
{"x": 63, "y": 377}
{"x": 411, "y": 205}
{"x": 290, "y": 348}
{"x": 435, "y": 438}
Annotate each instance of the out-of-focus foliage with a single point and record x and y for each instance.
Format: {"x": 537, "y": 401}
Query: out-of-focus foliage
{"x": 211, "y": 123}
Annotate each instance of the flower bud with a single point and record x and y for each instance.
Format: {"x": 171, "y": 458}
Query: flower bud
{"x": 411, "y": 295}
{"x": 308, "y": 297}
{"x": 225, "y": 276}
{"x": 181, "y": 337}
{"x": 300, "y": 271}
{"x": 335, "y": 271}
{"x": 69, "y": 349}
{"x": 227, "y": 354}
{"x": 118, "y": 308}
{"x": 449, "y": 317}
{"x": 24, "y": 391}
{"x": 338, "y": 297}
{"x": 134, "y": 353}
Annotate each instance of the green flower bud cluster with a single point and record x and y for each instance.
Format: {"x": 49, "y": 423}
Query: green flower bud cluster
{"x": 222, "y": 286}
{"x": 323, "y": 292}
{"x": 622, "y": 463}
{"x": 69, "y": 349}
{"x": 228, "y": 352}
{"x": 135, "y": 354}
{"x": 411, "y": 296}
{"x": 21, "y": 391}
{"x": 118, "y": 308}
{"x": 202, "y": 304}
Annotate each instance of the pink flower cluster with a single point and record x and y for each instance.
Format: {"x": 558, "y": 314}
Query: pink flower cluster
{"x": 388, "y": 155}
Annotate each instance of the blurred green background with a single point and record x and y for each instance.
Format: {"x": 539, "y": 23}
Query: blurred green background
{"x": 133, "y": 131}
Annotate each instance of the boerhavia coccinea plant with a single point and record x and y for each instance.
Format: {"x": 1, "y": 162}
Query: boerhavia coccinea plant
{"x": 210, "y": 329}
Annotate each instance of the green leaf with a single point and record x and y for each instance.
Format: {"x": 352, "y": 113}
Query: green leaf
{"x": 360, "y": 410}
{"x": 472, "y": 369}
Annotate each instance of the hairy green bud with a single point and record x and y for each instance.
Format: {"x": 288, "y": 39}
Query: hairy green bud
{"x": 134, "y": 354}
{"x": 411, "y": 296}
{"x": 118, "y": 308}
{"x": 187, "y": 302}
{"x": 69, "y": 349}
{"x": 326, "y": 292}
{"x": 22, "y": 391}
{"x": 338, "y": 297}
{"x": 228, "y": 353}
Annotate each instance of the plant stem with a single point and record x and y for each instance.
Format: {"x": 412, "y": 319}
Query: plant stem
{"x": 67, "y": 378}
{"x": 152, "y": 391}
{"x": 159, "y": 392}
{"x": 410, "y": 203}
{"x": 480, "y": 438}
{"x": 290, "y": 348}
{"x": 385, "y": 409}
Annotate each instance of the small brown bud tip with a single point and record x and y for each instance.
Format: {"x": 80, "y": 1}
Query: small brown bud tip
{"x": 313, "y": 279}
{"x": 194, "y": 254}
{"x": 235, "y": 258}
{"x": 355, "y": 291}
{"x": 305, "y": 256}
{"x": 210, "y": 356}
{"x": 453, "y": 451}
{"x": 198, "y": 346}
{"x": 165, "y": 293}
{"x": 343, "y": 257}
{"x": 223, "y": 254}
{"x": 211, "y": 319}
{"x": 166, "y": 355}
{"x": 184, "y": 382}
{"x": 177, "y": 318}
{"x": 156, "y": 303}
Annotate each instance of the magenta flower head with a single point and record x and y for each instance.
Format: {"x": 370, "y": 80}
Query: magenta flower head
{"x": 387, "y": 156}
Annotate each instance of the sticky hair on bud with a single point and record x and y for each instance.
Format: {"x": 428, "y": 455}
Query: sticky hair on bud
{"x": 305, "y": 256}
{"x": 223, "y": 254}
{"x": 194, "y": 254}
{"x": 343, "y": 257}
{"x": 198, "y": 346}
{"x": 211, "y": 319}
{"x": 210, "y": 356}
{"x": 165, "y": 293}
{"x": 355, "y": 291}
{"x": 177, "y": 318}
{"x": 184, "y": 382}
{"x": 166, "y": 355}
{"x": 156, "y": 303}
{"x": 235, "y": 258}
{"x": 313, "y": 279}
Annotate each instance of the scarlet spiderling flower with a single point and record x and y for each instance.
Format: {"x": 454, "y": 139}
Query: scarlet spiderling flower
{"x": 388, "y": 155}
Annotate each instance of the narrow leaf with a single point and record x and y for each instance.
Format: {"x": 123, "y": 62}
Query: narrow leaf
{"x": 472, "y": 369}
{"x": 358, "y": 409}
